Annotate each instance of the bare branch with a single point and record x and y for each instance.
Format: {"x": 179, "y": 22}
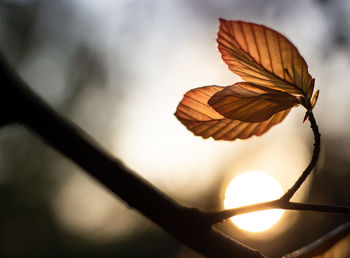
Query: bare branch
{"x": 315, "y": 207}
{"x": 187, "y": 225}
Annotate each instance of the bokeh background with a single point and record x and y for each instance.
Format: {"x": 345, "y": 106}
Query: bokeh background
{"x": 118, "y": 69}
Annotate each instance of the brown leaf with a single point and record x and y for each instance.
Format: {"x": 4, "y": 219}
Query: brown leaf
{"x": 262, "y": 56}
{"x": 251, "y": 103}
{"x": 201, "y": 119}
{"x": 276, "y": 78}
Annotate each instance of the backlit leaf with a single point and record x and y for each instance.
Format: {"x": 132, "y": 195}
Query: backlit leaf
{"x": 250, "y": 103}
{"x": 276, "y": 79}
{"x": 314, "y": 99}
{"x": 201, "y": 119}
{"x": 262, "y": 56}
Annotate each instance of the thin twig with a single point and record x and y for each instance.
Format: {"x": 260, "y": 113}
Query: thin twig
{"x": 337, "y": 209}
{"x": 215, "y": 217}
{"x": 283, "y": 202}
{"x": 315, "y": 154}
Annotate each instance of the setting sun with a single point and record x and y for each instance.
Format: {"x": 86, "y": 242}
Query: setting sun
{"x": 249, "y": 188}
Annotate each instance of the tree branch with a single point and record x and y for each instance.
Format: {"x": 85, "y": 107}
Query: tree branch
{"x": 19, "y": 103}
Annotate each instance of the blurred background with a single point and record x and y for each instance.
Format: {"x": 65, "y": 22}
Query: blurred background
{"x": 118, "y": 69}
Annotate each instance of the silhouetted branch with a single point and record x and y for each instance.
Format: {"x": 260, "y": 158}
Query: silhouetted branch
{"x": 19, "y": 103}
{"x": 322, "y": 244}
{"x": 337, "y": 209}
{"x": 215, "y": 217}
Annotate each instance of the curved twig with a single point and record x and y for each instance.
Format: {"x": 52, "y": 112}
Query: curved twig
{"x": 315, "y": 154}
{"x": 283, "y": 202}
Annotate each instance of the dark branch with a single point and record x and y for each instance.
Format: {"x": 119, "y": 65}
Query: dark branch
{"x": 215, "y": 217}
{"x": 337, "y": 209}
{"x": 19, "y": 103}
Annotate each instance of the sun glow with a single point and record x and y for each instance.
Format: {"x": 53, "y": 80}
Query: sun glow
{"x": 249, "y": 188}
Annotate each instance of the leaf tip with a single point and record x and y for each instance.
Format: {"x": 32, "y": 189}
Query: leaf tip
{"x": 314, "y": 98}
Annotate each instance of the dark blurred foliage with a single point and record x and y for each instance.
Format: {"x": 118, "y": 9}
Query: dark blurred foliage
{"x": 28, "y": 227}
{"x": 19, "y": 22}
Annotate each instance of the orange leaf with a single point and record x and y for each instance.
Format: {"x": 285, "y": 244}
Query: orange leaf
{"x": 262, "y": 56}
{"x": 276, "y": 79}
{"x": 314, "y": 99}
{"x": 312, "y": 103}
{"x": 201, "y": 119}
{"x": 251, "y": 103}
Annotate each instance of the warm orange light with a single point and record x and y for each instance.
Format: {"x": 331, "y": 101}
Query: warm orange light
{"x": 249, "y": 188}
